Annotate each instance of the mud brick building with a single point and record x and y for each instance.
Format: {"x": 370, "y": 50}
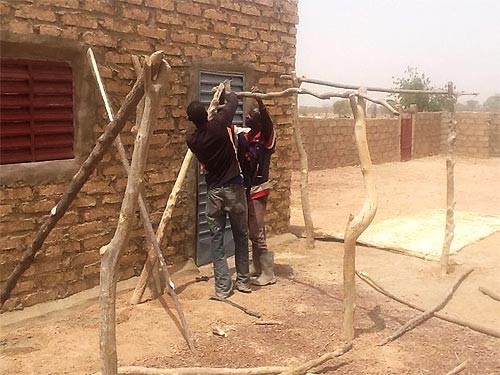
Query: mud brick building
{"x": 52, "y": 114}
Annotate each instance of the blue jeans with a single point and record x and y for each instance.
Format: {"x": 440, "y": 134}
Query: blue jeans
{"x": 231, "y": 200}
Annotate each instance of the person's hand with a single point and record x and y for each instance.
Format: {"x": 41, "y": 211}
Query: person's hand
{"x": 227, "y": 86}
{"x": 255, "y": 89}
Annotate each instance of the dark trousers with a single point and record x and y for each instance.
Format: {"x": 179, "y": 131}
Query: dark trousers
{"x": 231, "y": 200}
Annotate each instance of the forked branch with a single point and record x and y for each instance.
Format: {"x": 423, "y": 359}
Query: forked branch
{"x": 426, "y": 314}
{"x": 472, "y": 325}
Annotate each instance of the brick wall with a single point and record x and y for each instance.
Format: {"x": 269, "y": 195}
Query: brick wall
{"x": 329, "y": 143}
{"x": 427, "y": 134}
{"x": 254, "y": 37}
{"x": 495, "y": 135}
{"x": 474, "y": 134}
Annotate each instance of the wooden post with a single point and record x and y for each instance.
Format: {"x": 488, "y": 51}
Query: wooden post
{"x": 450, "y": 184}
{"x": 102, "y": 146}
{"x": 167, "y": 214}
{"x": 158, "y": 283}
{"x": 304, "y": 170}
{"x": 110, "y": 253}
{"x": 357, "y": 224}
{"x": 158, "y": 270}
{"x": 151, "y": 261}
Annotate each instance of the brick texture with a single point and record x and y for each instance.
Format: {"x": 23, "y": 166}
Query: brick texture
{"x": 330, "y": 143}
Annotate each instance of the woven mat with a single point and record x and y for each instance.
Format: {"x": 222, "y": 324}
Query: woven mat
{"x": 422, "y": 235}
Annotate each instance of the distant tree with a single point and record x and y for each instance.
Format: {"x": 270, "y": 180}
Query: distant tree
{"x": 492, "y": 104}
{"x": 472, "y": 105}
{"x": 414, "y": 80}
{"x": 372, "y": 110}
{"x": 342, "y": 107}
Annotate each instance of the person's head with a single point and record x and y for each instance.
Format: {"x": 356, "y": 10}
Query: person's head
{"x": 253, "y": 119}
{"x": 197, "y": 113}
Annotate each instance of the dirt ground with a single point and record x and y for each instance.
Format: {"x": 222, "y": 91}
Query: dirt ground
{"x": 307, "y": 300}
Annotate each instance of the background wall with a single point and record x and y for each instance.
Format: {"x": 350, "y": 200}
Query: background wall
{"x": 330, "y": 142}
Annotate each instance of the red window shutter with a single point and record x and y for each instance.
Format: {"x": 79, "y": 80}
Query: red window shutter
{"x": 36, "y": 111}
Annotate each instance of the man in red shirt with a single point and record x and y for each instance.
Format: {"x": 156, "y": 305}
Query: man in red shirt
{"x": 256, "y": 144}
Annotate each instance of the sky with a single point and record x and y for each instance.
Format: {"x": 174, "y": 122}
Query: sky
{"x": 368, "y": 42}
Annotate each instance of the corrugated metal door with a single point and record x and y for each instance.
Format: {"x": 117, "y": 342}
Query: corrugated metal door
{"x": 207, "y": 81}
{"x": 36, "y": 111}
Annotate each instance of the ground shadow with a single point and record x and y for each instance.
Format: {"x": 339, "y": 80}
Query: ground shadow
{"x": 376, "y": 318}
{"x": 173, "y": 317}
{"x": 376, "y": 315}
{"x": 331, "y": 369}
{"x": 283, "y": 270}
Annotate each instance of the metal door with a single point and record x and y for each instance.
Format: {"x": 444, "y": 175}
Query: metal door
{"x": 203, "y": 254}
{"x": 406, "y": 138}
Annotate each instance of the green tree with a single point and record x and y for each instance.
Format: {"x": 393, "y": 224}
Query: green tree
{"x": 414, "y": 80}
{"x": 492, "y": 104}
{"x": 342, "y": 107}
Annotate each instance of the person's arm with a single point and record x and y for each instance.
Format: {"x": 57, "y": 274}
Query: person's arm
{"x": 267, "y": 131}
{"x": 225, "y": 116}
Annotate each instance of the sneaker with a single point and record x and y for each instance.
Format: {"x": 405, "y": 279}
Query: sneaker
{"x": 243, "y": 287}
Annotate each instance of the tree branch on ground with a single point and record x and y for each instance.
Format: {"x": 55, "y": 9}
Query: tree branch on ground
{"x": 426, "y": 314}
{"x": 458, "y": 369}
{"x": 489, "y": 293}
{"x": 265, "y": 370}
{"x": 474, "y": 326}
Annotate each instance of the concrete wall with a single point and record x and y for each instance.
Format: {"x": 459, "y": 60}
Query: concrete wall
{"x": 254, "y": 37}
{"x": 330, "y": 143}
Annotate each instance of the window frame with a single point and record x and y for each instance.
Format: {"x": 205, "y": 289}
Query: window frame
{"x": 37, "y": 102}
{"x": 85, "y": 104}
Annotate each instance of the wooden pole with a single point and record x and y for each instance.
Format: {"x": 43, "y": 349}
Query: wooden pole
{"x": 381, "y": 89}
{"x": 357, "y": 224}
{"x": 110, "y": 253}
{"x": 151, "y": 261}
{"x": 154, "y": 251}
{"x": 101, "y": 147}
{"x": 450, "y": 185}
{"x": 304, "y": 171}
{"x": 291, "y": 91}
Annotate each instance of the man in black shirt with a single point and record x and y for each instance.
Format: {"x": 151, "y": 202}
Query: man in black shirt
{"x": 213, "y": 142}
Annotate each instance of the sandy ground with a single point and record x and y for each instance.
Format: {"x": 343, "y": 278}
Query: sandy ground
{"x": 306, "y": 303}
